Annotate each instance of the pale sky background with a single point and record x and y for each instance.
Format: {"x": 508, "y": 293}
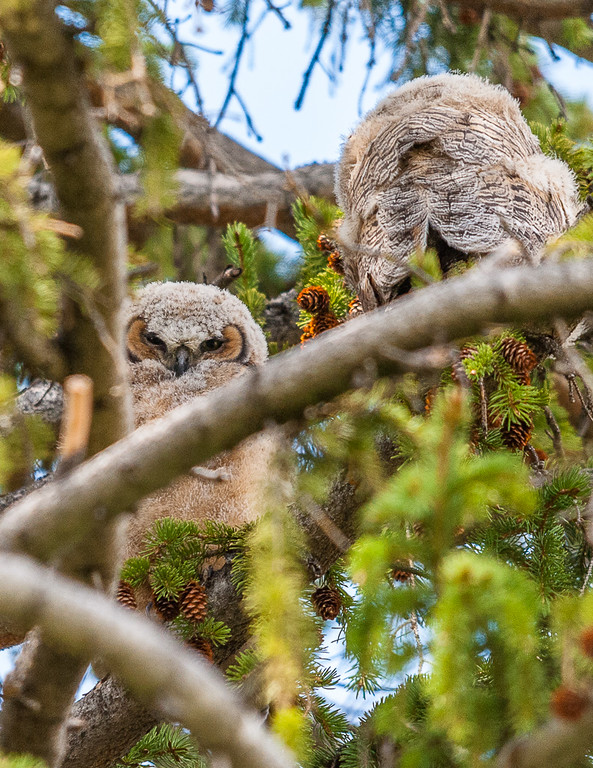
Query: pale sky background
{"x": 269, "y": 81}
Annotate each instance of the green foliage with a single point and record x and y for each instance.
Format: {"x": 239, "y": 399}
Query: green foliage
{"x": 313, "y": 216}
{"x": 165, "y": 746}
{"x": 161, "y": 140}
{"x": 36, "y": 264}
{"x": 243, "y": 250}
{"x": 486, "y": 611}
{"x": 578, "y": 156}
{"x": 283, "y": 630}
{"x": 21, "y": 761}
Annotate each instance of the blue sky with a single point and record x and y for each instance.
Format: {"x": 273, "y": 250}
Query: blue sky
{"x": 271, "y": 74}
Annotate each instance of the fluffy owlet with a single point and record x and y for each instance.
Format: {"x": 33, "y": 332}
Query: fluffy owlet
{"x": 446, "y": 162}
{"x": 185, "y": 339}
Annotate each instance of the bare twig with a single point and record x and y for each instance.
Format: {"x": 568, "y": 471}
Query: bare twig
{"x": 76, "y": 422}
{"x": 238, "y": 54}
{"x": 278, "y": 11}
{"x": 228, "y": 275}
{"x": 556, "y": 434}
{"x": 482, "y": 36}
{"x": 317, "y": 53}
{"x": 420, "y": 10}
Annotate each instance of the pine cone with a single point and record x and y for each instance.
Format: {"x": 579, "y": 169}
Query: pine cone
{"x": 314, "y": 299}
{"x": 519, "y": 356}
{"x": 323, "y": 322}
{"x": 334, "y": 261}
{"x": 193, "y": 602}
{"x": 327, "y": 602}
{"x": 567, "y": 703}
{"x": 517, "y": 435}
{"x": 167, "y": 608}
{"x": 355, "y": 307}
{"x": 401, "y": 576}
{"x": 468, "y": 16}
{"x": 201, "y": 645}
{"x": 307, "y": 332}
{"x": 325, "y": 243}
{"x": 125, "y": 595}
{"x": 586, "y": 642}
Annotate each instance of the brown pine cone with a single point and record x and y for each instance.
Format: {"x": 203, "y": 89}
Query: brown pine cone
{"x": 314, "y": 299}
{"x": 401, "y": 576}
{"x": 201, "y": 645}
{"x": 193, "y": 602}
{"x": 325, "y": 243}
{"x": 323, "y": 322}
{"x": 334, "y": 261}
{"x": 327, "y": 602}
{"x": 355, "y": 307}
{"x": 519, "y": 356}
{"x": 517, "y": 435}
{"x": 125, "y": 595}
{"x": 567, "y": 703}
{"x": 167, "y": 608}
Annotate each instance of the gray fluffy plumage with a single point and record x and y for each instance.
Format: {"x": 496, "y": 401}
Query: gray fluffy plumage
{"x": 189, "y": 314}
{"x": 447, "y": 161}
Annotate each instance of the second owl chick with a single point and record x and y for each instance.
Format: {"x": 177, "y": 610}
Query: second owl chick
{"x": 184, "y": 340}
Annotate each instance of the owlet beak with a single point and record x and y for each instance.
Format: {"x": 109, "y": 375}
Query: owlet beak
{"x": 181, "y": 361}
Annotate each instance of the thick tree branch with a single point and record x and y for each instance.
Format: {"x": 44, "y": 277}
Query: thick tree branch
{"x": 52, "y": 520}
{"x": 93, "y": 325}
{"x": 534, "y": 9}
{"x": 218, "y": 199}
{"x": 147, "y": 659}
{"x": 82, "y": 172}
{"x": 558, "y": 744}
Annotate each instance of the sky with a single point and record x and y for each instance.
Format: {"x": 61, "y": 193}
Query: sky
{"x": 271, "y": 75}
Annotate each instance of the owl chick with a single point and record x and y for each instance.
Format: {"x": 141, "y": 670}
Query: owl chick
{"x": 446, "y": 162}
{"x": 184, "y": 340}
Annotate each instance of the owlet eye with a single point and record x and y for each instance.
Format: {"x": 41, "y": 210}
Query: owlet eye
{"x": 153, "y": 339}
{"x": 210, "y": 345}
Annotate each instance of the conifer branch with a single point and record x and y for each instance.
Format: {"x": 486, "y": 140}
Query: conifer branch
{"x": 53, "y": 519}
{"x": 150, "y": 662}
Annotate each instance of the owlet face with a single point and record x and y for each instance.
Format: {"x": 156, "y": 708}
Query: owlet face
{"x": 180, "y": 325}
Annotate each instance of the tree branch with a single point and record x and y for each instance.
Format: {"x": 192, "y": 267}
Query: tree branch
{"x": 148, "y": 660}
{"x": 241, "y": 196}
{"x": 82, "y": 172}
{"x": 559, "y": 743}
{"x": 92, "y": 329}
{"x": 534, "y": 9}
{"x": 52, "y": 520}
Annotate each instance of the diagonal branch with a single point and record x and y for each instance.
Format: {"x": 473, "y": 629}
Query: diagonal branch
{"x": 84, "y": 180}
{"x": 534, "y": 9}
{"x": 53, "y": 519}
{"x": 153, "y": 665}
{"x": 93, "y": 325}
